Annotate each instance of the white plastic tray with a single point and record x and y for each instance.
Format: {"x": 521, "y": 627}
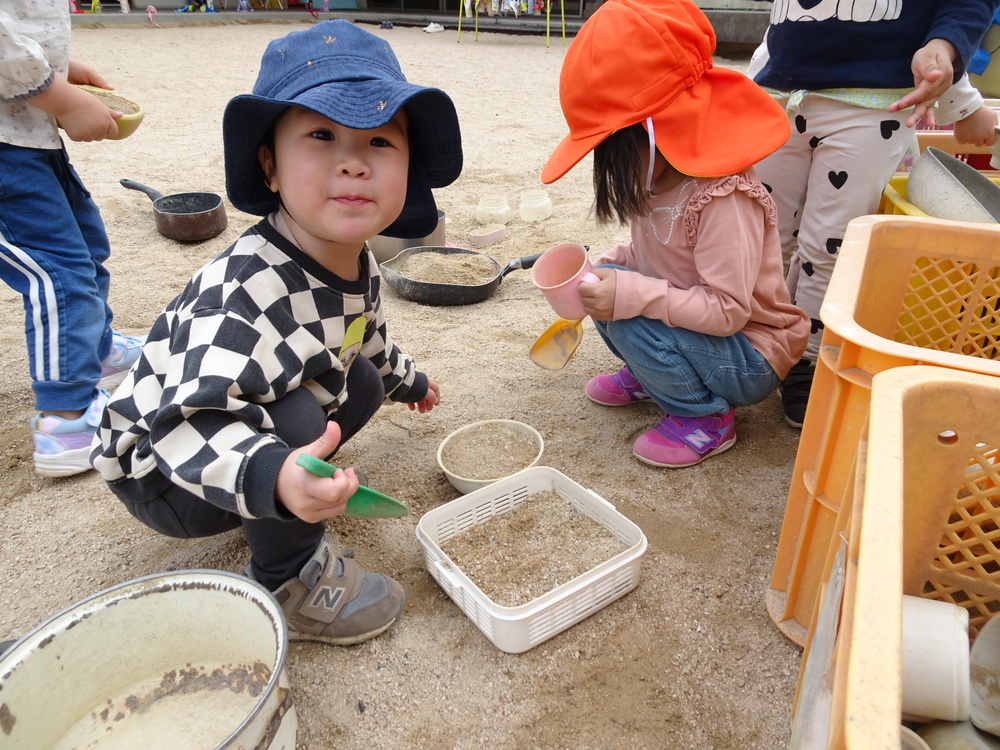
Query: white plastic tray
{"x": 517, "y": 629}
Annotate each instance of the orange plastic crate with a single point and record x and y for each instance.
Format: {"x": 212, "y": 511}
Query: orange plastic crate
{"x": 905, "y": 291}
{"x": 924, "y": 520}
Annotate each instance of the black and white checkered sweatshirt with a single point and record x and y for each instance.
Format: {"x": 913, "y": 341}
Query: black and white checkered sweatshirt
{"x": 255, "y": 323}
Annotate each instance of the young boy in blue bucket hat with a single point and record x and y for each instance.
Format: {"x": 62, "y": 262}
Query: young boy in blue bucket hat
{"x": 279, "y": 346}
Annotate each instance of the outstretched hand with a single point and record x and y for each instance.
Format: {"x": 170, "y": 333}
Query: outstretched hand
{"x": 933, "y": 70}
{"x": 313, "y": 498}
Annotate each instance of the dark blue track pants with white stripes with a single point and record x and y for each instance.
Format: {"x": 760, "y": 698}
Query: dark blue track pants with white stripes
{"x": 52, "y": 251}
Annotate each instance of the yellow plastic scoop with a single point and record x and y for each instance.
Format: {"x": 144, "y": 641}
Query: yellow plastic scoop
{"x": 366, "y": 502}
{"x": 557, "y": 343}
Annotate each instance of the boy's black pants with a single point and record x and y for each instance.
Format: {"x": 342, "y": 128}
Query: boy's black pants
{"x": 278, "y": 548}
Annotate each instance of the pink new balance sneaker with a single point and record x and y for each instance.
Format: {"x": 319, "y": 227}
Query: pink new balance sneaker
{"x": 676, "y": 442}
{"x": 617, "y": 389}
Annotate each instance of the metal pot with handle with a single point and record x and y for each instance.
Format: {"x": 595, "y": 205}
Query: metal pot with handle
{"x": 441, "y": 294}
{"x": 188, "y": 217}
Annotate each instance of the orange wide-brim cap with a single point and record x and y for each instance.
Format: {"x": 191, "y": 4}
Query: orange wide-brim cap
{"x": 652, "y": 58}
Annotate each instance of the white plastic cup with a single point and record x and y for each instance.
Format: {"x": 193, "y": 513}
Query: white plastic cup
{"x": 493, "y": 209}
{"x": 535, "y": 205}
{"x": 935, "y": 660}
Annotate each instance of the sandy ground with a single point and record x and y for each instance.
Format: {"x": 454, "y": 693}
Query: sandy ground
{"x": 689, "y": 659}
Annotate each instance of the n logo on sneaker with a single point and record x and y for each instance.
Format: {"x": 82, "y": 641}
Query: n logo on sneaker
{"x": 326, "y": 597}
{"x": 698, "y": 440}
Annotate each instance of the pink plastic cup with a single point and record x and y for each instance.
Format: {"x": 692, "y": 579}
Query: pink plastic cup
{"x": 558, "y": 273}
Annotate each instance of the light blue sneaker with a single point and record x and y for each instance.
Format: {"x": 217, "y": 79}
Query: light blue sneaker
{"x": 62, "y": 446}
{"x": 125, "y": 350}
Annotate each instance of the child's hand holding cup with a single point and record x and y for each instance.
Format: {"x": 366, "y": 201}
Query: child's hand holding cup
{"x": 559, "y": 273}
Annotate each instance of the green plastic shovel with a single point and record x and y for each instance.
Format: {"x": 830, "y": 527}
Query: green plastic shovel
{"x": 366, "y": 502}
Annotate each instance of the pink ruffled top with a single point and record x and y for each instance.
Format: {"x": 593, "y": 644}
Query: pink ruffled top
{"x": 709, "y": 259}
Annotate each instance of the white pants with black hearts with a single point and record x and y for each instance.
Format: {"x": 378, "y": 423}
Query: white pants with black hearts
{"x": 834, "y": 167}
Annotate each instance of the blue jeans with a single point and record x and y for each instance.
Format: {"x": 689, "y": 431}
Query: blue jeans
{"x": 52, "y": 251}
{"x": 689, "y": 374}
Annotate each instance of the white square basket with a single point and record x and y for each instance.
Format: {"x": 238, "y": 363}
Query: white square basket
{"x": 517, "y": 629}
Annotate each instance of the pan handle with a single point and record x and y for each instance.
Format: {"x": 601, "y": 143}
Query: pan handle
{"x": 526, "y": 262}
{"x": 132, "y": 185}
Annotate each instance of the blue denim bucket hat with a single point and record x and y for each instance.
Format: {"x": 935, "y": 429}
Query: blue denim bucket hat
{"x": 353, "y": 78}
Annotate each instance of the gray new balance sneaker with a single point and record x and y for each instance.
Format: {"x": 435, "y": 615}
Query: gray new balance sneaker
{"x": 334, "y": 601}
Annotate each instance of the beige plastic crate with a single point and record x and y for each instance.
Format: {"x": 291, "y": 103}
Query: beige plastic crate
{"x": 924, "y": 521}
{"x": 905, "y": 291}
{"x": 517, "y": 629}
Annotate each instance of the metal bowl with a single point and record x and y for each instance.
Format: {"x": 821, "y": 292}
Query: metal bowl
{"x": 947, "y": 188}
{"x": 385, "y": 248}
{"x": 185, "y": 659}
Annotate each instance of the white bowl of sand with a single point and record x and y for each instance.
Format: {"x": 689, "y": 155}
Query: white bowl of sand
{"x": 487, "y": 451}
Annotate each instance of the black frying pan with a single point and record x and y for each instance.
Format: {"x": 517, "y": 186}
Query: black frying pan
{"x": 430, "y": 293}
{"x": 188, "y": 217}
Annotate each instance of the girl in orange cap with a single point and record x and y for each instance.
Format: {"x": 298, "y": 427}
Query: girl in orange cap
{"x": 695, "y": 304}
